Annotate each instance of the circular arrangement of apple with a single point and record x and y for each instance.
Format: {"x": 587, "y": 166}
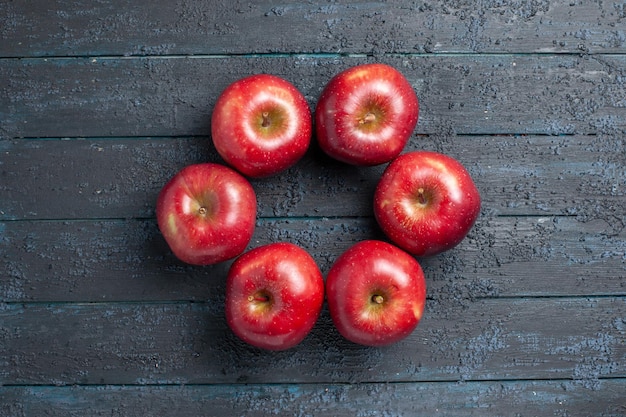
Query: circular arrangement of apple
{"x": 425, "y": 203}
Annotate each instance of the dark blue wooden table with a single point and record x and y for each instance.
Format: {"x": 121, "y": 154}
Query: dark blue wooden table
{"x": 101, "y": 102}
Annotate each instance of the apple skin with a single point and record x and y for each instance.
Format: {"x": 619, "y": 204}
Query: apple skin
{"x": 274, "y": 296}
{"x": 366, "y": 114}
{"x": 207, "y": 213}
{"x": 376, "y": 293}
{"x": 261, "y": 125}
{"x": 426, "y": 202}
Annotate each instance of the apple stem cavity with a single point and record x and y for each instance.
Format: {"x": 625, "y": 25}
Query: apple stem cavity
{"x": 202, "y": 211}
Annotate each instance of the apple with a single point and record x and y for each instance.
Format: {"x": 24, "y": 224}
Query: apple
{"x": 376, "y": 293}
{"x": 426, "y": 202}
{"x": 207, "y": 213}
{"x": 274, "y": 295}
{"x": 261, "y": 125}
{"x": 366, "y": 114}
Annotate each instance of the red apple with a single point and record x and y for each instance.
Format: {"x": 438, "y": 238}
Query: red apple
{"x": 207, "y": 213}
{"x": 261, "y": 125}
{"x": 426, "y": 202}
{"x": 366, "y": 114}
{"x": 274, "y": 295}
{"x": 376, "y": 293}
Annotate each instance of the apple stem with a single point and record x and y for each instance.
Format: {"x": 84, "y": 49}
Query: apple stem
{"x": 369, "y": 117}
{"x": 378, "y": 299}
{"x": 259, "y": 298}
{"x": 421, "y": 198}
{"x": 266, "y": 119}
{"x": 202, "y": 211}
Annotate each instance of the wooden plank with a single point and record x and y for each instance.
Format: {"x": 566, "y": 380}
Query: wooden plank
{"x": 86, "y": 261}
{"x": 466, "y": 94}
{"x": 124, "y": 27}
{"x": 189, "y": 343}
{"x": 121, "y": 178}
{"x": 443, "y": 399}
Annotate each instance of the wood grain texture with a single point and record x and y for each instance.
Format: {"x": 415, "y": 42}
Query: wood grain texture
{"x": 190, "y": 343}
{"x": 532, "y": 398}
{"x": 117, "y": 260}
{"x": 121, "y": 178}
{"x": 468, "y": 94}
{"x": 124, "y": 27}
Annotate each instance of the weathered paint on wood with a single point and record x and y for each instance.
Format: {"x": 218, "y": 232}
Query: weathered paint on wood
{"x": 129, "y": 260}
{"x": 166, "y": 96}
{"x": 121, "y": 178}
{"x": 502, "y": 398}
{"x": 125, "y": 27}
{"x": 190, "y": 343}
